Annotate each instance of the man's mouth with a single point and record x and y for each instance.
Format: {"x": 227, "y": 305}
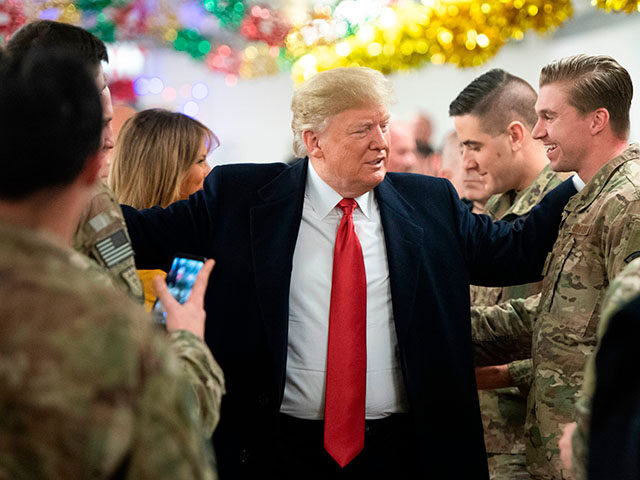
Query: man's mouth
{"x": 550, "y": 147}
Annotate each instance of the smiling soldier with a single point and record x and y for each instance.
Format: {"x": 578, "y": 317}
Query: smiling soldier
{"x": 583, "y": 121}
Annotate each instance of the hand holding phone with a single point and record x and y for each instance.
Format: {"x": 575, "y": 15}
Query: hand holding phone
{"x": 182, "y": 296}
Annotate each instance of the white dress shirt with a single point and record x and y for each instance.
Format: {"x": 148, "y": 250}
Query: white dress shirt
{"x": 309, "y": 300}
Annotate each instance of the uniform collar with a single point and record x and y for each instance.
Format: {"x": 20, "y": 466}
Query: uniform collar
{"x": 519, "y": 203}
{"x": 534, "y": 193}
{"x": 592, "y": 189}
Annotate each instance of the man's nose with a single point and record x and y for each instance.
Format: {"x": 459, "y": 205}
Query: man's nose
{"x": 108, "y": 141}
{"x": 468, "y": 160}
{"x": 380, "y": 138}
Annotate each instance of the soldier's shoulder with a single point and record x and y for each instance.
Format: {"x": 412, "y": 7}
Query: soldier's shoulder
{"x": 43, "y": 282}
{"x": 78, "y": 349}
{"x": 102, "y": 213}
{"x": 103, "y": 199}
{"x": 624, "y": 287}
{"x": 53, "y": 307}
{"x": 620, "y": 195}
{"x": 625, "y": 180}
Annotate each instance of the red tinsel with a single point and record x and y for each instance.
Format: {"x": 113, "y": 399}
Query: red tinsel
{"x": 11, "y": 17}
{"x": 122, "y": 90}
{"x": 267, "y": 26}
{"x": 225, "y": 60}
{"x": 131, "y": 20}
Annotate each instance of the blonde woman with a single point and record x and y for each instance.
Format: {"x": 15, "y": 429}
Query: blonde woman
{"x": 160, "y": 157}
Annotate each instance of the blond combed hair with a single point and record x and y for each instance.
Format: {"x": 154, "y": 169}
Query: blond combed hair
{"x": 592, "y": 82}
{"x": 331, "y": 92}
{"x": 153, "y": 153}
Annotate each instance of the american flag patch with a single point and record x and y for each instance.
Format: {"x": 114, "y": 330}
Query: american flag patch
{"x": 115, "y": 248}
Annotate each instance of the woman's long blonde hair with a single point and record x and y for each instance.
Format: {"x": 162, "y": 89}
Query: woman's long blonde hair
{"x": 153, "y": 153}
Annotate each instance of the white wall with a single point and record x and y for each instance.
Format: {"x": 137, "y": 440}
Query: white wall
{"x": 253, "y": 119}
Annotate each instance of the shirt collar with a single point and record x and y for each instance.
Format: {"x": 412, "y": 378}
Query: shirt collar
{"x": 324, "y": 199}
{"x": 577, "y": 182}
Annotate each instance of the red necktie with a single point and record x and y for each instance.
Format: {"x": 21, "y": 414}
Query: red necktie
{"x": 347, "y": 350}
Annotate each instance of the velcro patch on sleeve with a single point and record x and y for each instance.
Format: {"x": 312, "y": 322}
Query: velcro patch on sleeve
{"x": 115, "y": 248}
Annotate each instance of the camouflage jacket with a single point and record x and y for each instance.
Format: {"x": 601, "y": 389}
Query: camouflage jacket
{"x": 504, "y": 410}
{"x": 599, "y": 233}
{"x": 625, "y": 287}
{"x": 102, "y": 236}
{"x": 89, "y": 389}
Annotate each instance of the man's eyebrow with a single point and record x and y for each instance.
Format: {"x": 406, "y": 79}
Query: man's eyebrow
{"x": 546, "y": 111}
{"x": 471, "y": 143}
{"x": 364, "y": 123}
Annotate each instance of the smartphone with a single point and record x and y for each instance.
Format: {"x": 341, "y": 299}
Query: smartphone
{"x": 180, "y": 280}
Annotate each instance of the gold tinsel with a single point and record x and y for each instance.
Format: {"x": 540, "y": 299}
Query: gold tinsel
{"x": 67, "y": 12}
{"x": 626, "y": 6}
{"x": 257, "y": 61}
{"x": 463, "y": 33}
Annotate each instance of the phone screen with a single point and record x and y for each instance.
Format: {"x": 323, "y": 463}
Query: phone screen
{"x": 180, "y": 280}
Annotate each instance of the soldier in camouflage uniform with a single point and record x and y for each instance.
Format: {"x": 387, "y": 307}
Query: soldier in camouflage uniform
{"x": 494, "y": 116}
{"x": 89, "y": 388}
{"x": 101, "y": 233}
{"x": 585, "y": 129}
{"x": 622, "y": 290}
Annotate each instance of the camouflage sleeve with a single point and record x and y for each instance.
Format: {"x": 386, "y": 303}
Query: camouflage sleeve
{"x": 502, "y": 333}
{"x": 102, "y": 236}
{"x": 622, "y": 238}
{"x": 623, "y": 288}
{"x": 169, "y": 442}
{"x": 203, "y": 373}
{"x": 521, "y": 372}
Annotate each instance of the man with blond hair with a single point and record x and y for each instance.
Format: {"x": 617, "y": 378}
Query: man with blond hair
{"x": 341, "y": 297}
{"x": 583, "y": 121}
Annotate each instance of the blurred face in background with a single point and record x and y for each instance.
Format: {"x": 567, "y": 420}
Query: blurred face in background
{"x": 402, "y": 151}
{"x": 451, "y": 168}
{"x": 194, "y": 179}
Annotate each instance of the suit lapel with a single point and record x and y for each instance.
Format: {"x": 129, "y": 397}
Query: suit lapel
{"x": 275, "y": 221}
{"x": 404, "y": 244}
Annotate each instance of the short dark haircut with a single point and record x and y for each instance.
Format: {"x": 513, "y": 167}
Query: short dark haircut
{"x": 592, "y": 82}
{"x": 56, "y": 35}
{"x": 498, "y": 98}
{"x": 50, "y": 122}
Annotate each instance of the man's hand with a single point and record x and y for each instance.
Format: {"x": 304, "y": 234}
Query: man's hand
{"x": 189, "y": 316}
{"x": 488, "y": 378}
{"x": 566, "y": 450}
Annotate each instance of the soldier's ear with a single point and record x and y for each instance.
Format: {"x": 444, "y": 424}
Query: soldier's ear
{"x": 516, "y": 132}
{"x": 599, "y": 120}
